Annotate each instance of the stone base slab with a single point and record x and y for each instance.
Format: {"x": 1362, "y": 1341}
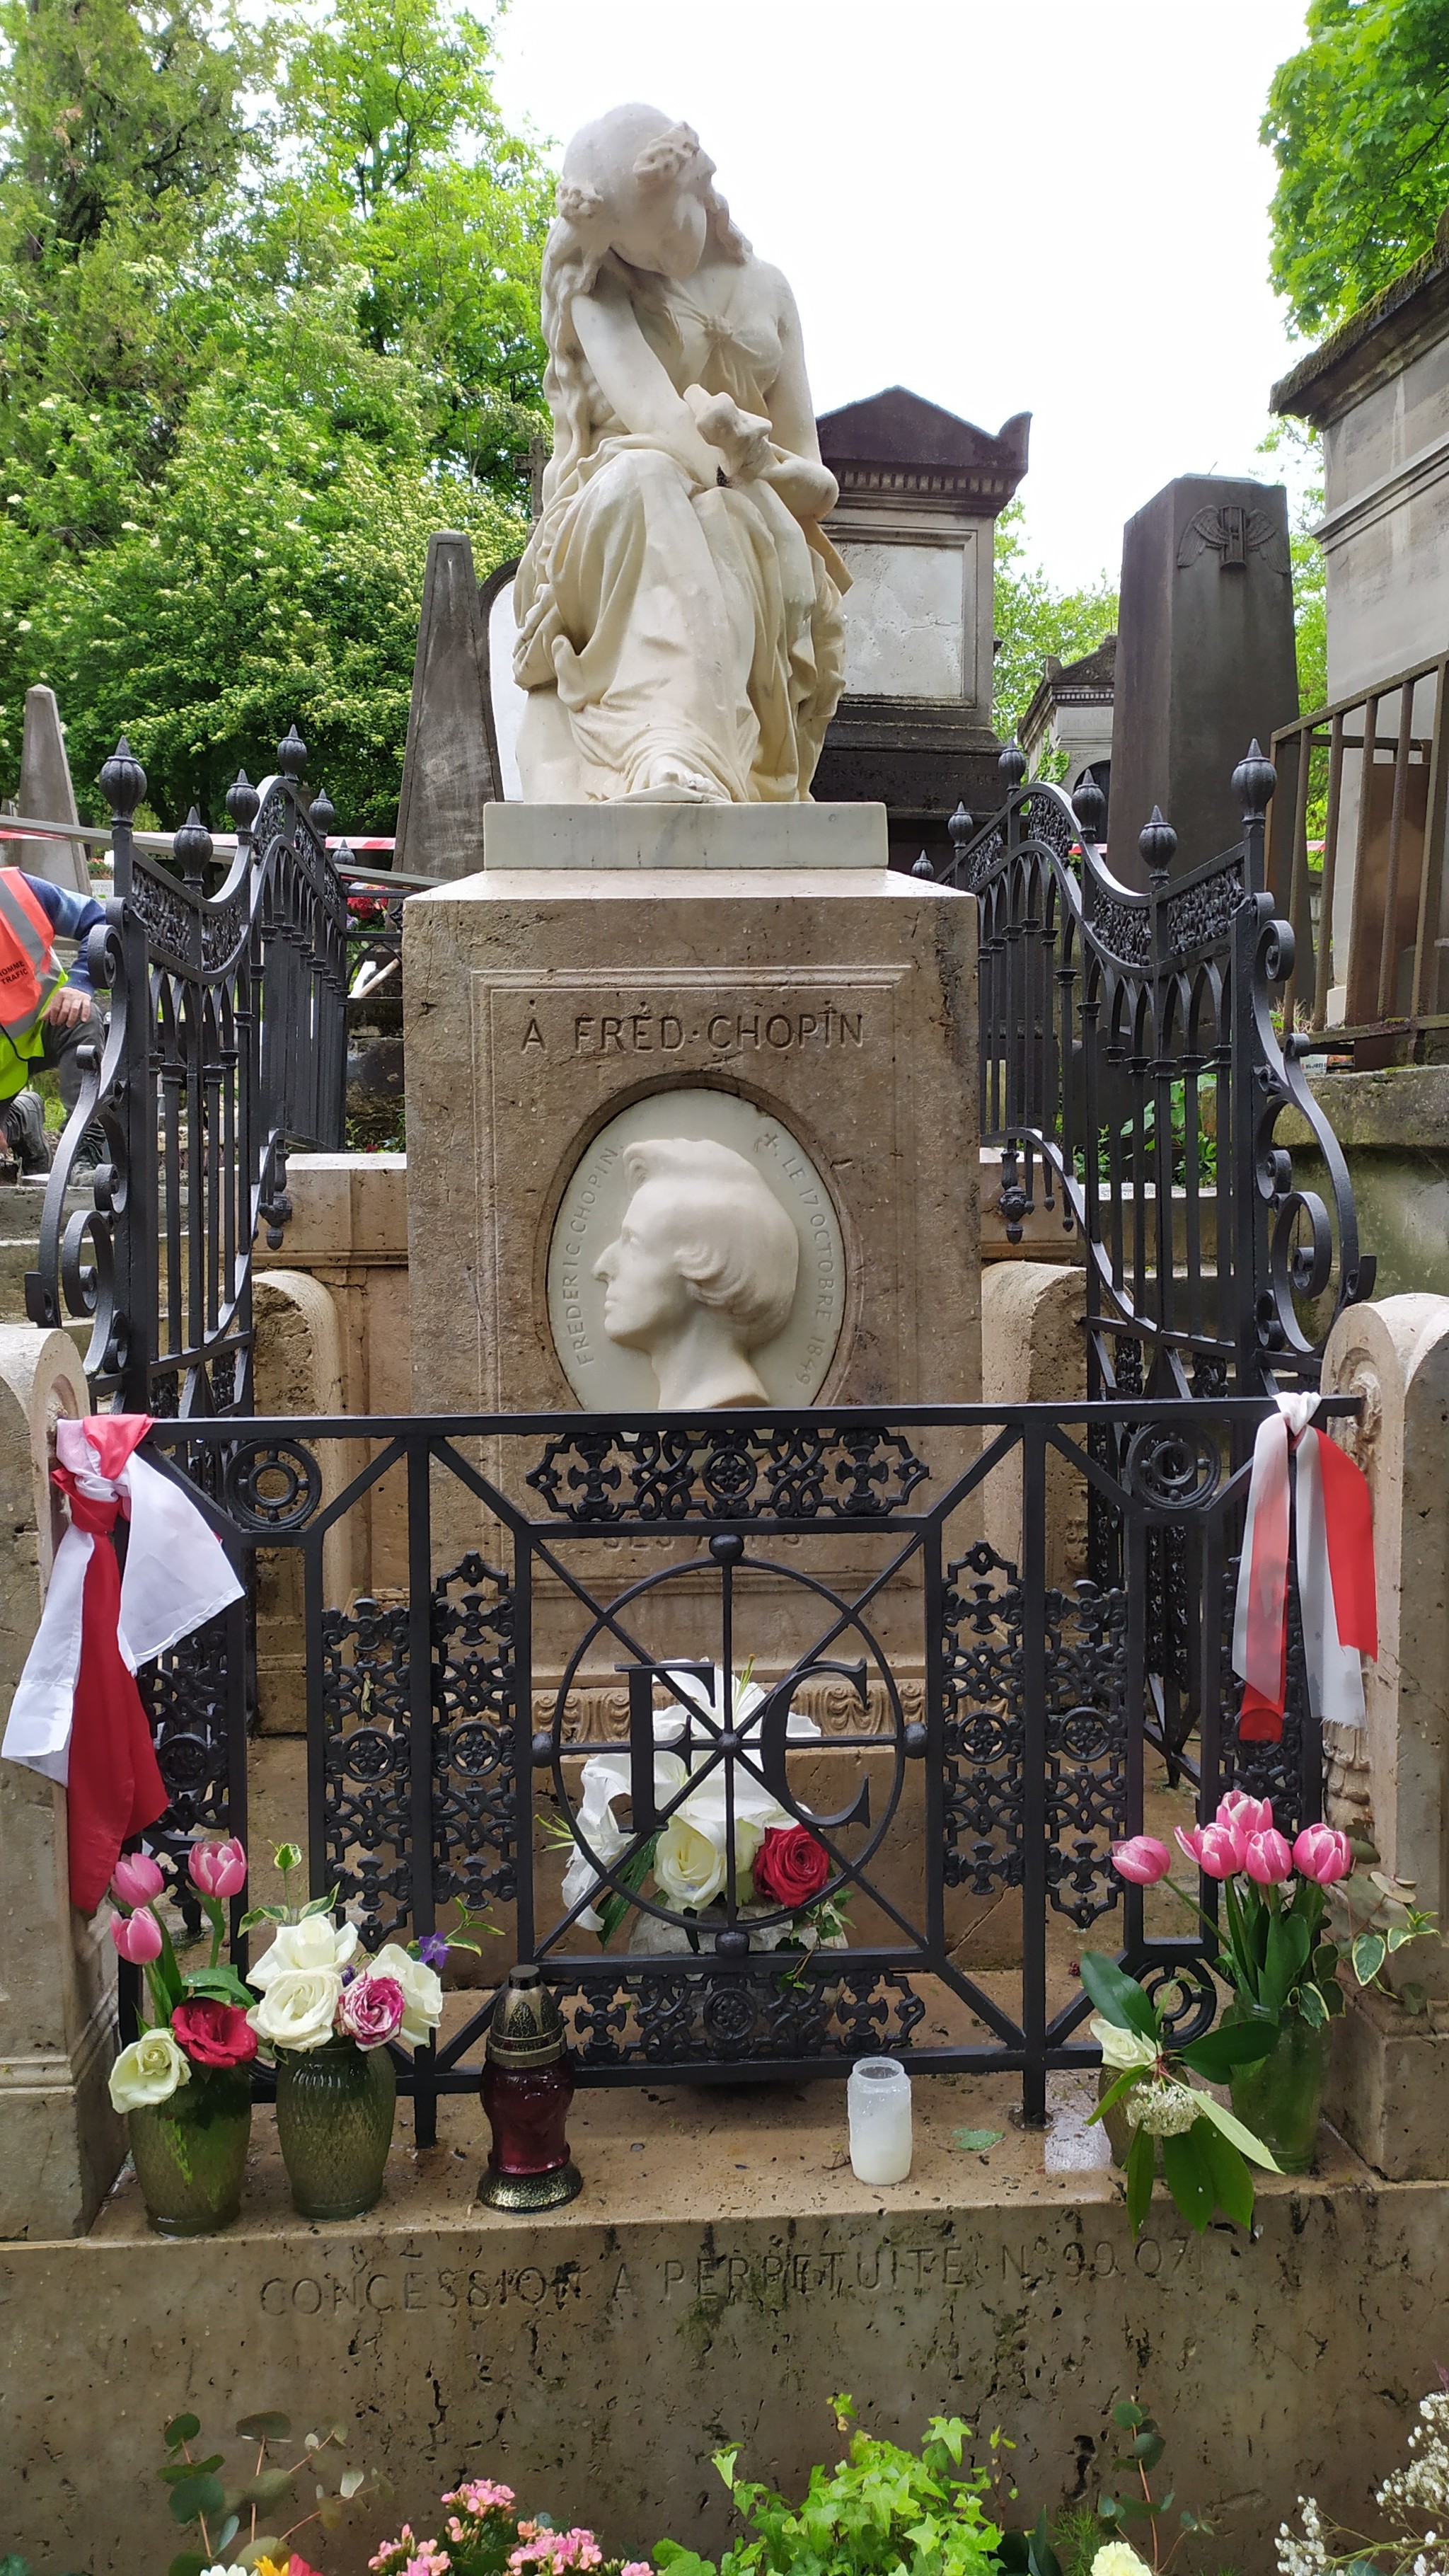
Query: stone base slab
{"x": 721, "y": 2278}
{"x": 684, "y": 836}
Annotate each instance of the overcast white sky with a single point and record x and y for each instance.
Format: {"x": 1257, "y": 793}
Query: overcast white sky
{"x": 1053, "y": 206}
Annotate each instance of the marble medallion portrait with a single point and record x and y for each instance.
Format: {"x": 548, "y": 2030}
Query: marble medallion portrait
{"x": 696, "y": 1261}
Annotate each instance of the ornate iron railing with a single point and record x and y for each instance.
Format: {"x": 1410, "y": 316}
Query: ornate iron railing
{"x": 1132, "y": 1071}
{"x": 224, "y": 1044}
{"x": 956, "y": 1730}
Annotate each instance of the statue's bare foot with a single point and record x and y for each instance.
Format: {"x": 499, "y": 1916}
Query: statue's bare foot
{"x": 669, "y": 782}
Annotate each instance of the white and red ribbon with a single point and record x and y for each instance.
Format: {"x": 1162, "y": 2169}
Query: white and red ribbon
{"x": 76, "y": 1716}
{"x": 1336, "y": 1590}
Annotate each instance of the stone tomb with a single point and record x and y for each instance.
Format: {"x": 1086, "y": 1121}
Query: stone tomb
{"x": 818, "y": 1017}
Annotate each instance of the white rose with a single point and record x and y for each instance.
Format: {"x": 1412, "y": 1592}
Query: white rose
{"x": 148, "y": 2072}
{"x": 316, "y": 1942}
{"x": 1115, "y": 2558}
{"x": 299, "y": 2008}
{"x": 689, "y": 1865}
{"x": 422, "y": 1992}
{"x": 1121, "y": 2048}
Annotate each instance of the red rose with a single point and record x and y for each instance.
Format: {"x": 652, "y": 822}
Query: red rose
{"x": 214, "y": 2034}
{"x": 791, "y": 1866}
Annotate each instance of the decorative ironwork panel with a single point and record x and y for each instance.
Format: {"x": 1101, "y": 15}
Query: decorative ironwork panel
{"x": 366, "y": 1704}
{"x": 475, "y": 1787}
{"x": 223, "y": 1046}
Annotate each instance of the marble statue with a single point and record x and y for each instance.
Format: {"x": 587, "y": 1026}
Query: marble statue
{"x": 703, "y": 1270}
{"x": 680, "y": 633}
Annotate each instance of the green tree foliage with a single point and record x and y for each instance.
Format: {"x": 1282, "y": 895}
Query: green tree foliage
{"x": 1359, "y": 124}
{"x": 1034, "y": 619}
{"x": 267, "y": 319}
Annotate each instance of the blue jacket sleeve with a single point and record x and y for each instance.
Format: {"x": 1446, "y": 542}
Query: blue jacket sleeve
{"x": 71, "y": 916}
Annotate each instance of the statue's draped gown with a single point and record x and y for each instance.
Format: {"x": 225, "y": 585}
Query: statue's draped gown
{"x": 702, "y": 630}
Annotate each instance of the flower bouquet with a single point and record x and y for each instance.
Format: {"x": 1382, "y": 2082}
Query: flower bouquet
{"x": 328, "y": 2019}
{"x": 485, "y": 2535}
{"x": 184, "y": 2083}
{"x": 781, "y": 1870}
{"x": 1293, "y": 1913}
{"x": 1206, "y": 2150}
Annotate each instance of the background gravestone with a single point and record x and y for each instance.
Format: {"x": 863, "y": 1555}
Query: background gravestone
{"x": 1205, "y": 660}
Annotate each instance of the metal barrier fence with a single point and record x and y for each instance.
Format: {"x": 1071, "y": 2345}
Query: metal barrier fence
{"x": 224, "y": 1045}
{"x": 1355, "y": 860}
{"x": 621, "y": 1632}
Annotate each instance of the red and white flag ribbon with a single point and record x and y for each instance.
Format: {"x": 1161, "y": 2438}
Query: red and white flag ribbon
{"x": 1336, "y": 1592}
{"x": 77, "y": 1715}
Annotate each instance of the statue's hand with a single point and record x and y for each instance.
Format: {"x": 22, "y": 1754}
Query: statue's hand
{"x": 743, "y": 438}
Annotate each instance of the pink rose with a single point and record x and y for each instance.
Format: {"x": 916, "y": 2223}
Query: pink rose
{"x": 219, "y": 1869}
{"x": 1143, "y": 1860}
{"x": 1322, "y": 1854}
{"x": 1267, "y": 1858}
{"x": 137, "y": 1936}
{"x": 371, "y": 2010}
{"x": 1215, "y": 1848}
{"x": 136, "y": 1880}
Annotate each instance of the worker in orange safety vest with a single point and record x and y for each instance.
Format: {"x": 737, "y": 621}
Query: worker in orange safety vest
{"x": 45, "y": 1011}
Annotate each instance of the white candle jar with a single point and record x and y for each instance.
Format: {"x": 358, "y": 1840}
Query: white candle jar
{"x": 878, "y": 2102}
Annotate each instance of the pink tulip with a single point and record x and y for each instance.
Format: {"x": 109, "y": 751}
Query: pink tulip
{"x": 1268, "y": 1858}
{"x": 137, "y": 1880}
{"x": 1215, "y": 1849}
{"x": 137, "y": 1936}
{"x": 1144, "y": 1860}
{"x": 1322, "y": 1854}
{"x": 1245, "y": 1815}
{"x": 219, "y": 1869}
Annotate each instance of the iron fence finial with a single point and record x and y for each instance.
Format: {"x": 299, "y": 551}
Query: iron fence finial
{"x": 1157, "y": 841}
{"x": 1254, "y": 780}
{"x": 242, "y": 802}
{"x": 123, "y": 782}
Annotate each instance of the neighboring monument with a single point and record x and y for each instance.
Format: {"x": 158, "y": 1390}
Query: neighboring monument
{"x": 680, "y": 627}
{"x": 703, "y": 1271}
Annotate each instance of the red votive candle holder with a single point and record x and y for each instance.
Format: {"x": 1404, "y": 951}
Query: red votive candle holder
{"x": 528, "y": 2084}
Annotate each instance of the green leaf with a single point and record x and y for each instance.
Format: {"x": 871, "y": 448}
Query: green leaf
{"x": 287, "y": 1857}
{"x": 1118, "y": 1998}
{"x": 974, "y": 2142}
{"x": 264, "y": 2428}
{"x": 1236, "y": 2135}
{"x": 1149, "y": 2445}
{"x": 1311, "y": 2007}
{"x": 197, "y": 2495}
{"x": 1325, "y": 1962}
{"x": 182, "y": 2428}
{"x": 1114, "y": 2092}
{"x": 267, "y": 2487}
{"x": 350, "y": 2481}
{"x": 176, "y": 2472}
{"x": 1190, "y": 2183}
{"x": 1108, "y": 2509}
{"x": 256, "y": 1914}
{"x": 1236, "y": 2043}
{"x": 633, "y": 1873}
{"x": 1127, "y": 2416}
{"x": 320, "y": 1905}
{"x": 221, "y": 1985}
{"x": 187, "y": 2562}
{"x": 1288, "y": 1945}
{"x": 227, "y": 2534}
{"x": 1140, "y": 2160}
{"x": 1367, "y": 1954}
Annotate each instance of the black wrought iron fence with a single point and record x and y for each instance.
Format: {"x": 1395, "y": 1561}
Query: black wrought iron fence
{"x": 629, "y": 1648}
{"x": 224, "y": 1045}
{"x": 1134, "y": 1074}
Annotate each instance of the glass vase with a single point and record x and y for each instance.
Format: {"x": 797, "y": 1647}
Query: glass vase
{"x": 190, "y": 2153}
{"x": 1280, "y": 2096}
{"x": 335, "y": 2107}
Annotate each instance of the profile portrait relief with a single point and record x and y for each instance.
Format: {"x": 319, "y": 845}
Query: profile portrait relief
{"x": 702, "y": 1272}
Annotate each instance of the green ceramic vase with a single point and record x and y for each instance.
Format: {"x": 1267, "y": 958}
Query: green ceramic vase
{"x": 335, "y": 2107}
{"x": 1280, "y": 2097}
{"x": 190, "y": 2153}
